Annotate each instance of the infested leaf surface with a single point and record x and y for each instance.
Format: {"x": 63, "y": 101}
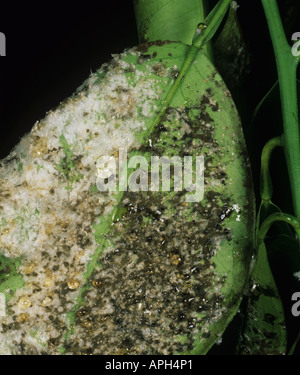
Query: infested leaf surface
{"x": 129, "y": 272}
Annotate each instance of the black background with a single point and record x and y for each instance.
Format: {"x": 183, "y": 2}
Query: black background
{"x": 53, "y": 46}
{"x": 51, "y": 49}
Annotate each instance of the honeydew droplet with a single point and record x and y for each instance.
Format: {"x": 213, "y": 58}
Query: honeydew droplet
{"x": 201, "y": 26}
{"x": 24, "y": 303}
{"x": 47, "y": 301}
{"x": 23, "y": 318}
{"x": 73, "y": 284}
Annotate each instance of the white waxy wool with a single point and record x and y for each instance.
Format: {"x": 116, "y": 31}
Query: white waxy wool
{"x": 2, "y": 305}
{"x": 47, "y": 205}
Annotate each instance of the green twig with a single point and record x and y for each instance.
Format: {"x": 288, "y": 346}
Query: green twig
{"x": 266, "y": 187}
{"x": 275, "y": 217}
{"x": 262, "y": 101}
{"x": 287, "y": 70}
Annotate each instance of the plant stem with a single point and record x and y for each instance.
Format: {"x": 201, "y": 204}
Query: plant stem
{"x": 277, "y": 216}
{"x": 266, "y": 188}
{"x": 287, "y": 74}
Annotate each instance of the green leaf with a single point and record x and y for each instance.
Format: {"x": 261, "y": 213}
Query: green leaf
{"x": 166, "y": 274}
{"x": 230, "y": 52}
{"x": 212, "y": 23}
{"x": 202, "y": 100}
{"x": 265, "y": 329}
{"x": 10, "y": 278}
{"x": 67, "y": 165}
{"x": 166, "y": 20}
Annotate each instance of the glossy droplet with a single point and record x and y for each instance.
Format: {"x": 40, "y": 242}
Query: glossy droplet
{"x": 47, "y": 301}
{"x": 97, "y": 283}
{"x": 81, "y": 312}
{"x": 24, "y": 303}
{"x": 188, "y": 284}
{"x": 181, "y": 316}
{"x": 29, "y": 268}
{"x": 191, "y": 325}
{"x": 22, "y": 318}
{"x": 48, "y": 282}
{"x": 175, "y": 259}
{"x": 201, "y": 26}
{"x": 87, "y": 324}
{"x": 73, "y": 284}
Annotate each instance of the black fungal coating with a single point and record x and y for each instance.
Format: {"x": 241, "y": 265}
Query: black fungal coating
{"x": 154, "y": 283}
{"x": 261, "y": 341}
{"x": 157, "y": 285}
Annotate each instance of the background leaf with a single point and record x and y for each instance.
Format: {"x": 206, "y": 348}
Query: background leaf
{"x": 168, "y": 20}
{"x": 265, "y": 328}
